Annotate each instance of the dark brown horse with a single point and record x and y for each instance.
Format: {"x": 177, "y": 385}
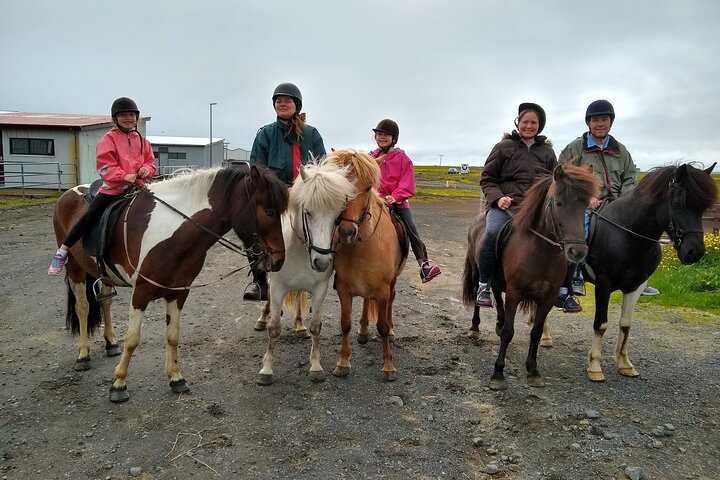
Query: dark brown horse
{"x": 625, "y": 248}
{"x": 546, "y": 233}
{"x": 370, "y": 257}
{"x": 158, "y": 247}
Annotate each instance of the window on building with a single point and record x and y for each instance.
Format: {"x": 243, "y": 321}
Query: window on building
{"x": 177, "y": 156}
{"x": 163, "y": 149}
{"x": 32, "y": 146}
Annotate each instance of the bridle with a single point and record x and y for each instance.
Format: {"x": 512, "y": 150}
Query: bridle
{"x": 256, "y": 251}
{"x": 366, "y": 215}
{"x": 557, "y": 231}
{"x": 676, "y": 234}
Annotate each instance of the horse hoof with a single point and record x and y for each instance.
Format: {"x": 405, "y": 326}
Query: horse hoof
{"x": 475, "y": 328}
{"x": 473, "y": 333}
{"x": 596, "y": 376}
{"x": 302, "y": 334}
{"x": 179, "y": 386}
{"x": 391, "y": 338}
{"x": 317, "y": 376}
{"x": 536, "y": 381}
{"x": 498, "y": 385}
{"x": 264, "y": 379}
{"x": 260, "y": 326}
{"x": 82, "y": 364}
{"x": 498, "y": 331}
{"x": 113, "y": 350}
{"x": 341, "y": 371}
{"x": 119, "y": 395}
{"x": 362, "y": 339}
{"x": 546, "y": 343}
{"x": 629, "y": 372}
{"x": 389, "y": 376}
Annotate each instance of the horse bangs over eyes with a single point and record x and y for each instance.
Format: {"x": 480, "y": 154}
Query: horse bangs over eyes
{"x": 553, "y": 200}
{"x": 365, "y": 174}
{"x": 268, "y": 197}
{"x": 688, "y": 191}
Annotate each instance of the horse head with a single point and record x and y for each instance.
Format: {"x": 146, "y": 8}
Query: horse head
{"x": 691, "y": 192}
{"x": 318, "y": 196}
{"x": 365, "y": 174}
{"x": 267, "y": 199}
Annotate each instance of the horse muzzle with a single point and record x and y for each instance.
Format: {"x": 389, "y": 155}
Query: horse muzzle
{"x": 575, "y": 252}
{"x": 348, "y": 235}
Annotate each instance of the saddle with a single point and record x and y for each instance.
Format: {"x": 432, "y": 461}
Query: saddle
{"x": 97, "y": 242}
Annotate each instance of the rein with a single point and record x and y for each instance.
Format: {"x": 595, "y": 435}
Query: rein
{"x": 221, "y": 240}
{"x": 559, "y": 236}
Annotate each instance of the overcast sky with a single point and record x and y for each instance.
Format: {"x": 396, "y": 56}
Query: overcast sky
{"x": 450, "y": 72}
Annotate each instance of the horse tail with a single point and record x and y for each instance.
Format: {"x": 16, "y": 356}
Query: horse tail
{"x": 72, "y": 321}
{"x": 372, "y": 312}
{"x": 471, "y": 272}
{"x": 292, "y": 298}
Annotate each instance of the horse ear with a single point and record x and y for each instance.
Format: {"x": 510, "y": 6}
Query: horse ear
{"x": 558, "y": 172}
{"x": 255, "y": 176}
{"x": 380, "y": 159}
{"x": 710, "y": 168}
{"x": 303, "y": 175}
{"x": 332, "y": 149}
{"x": 681, "y": 173}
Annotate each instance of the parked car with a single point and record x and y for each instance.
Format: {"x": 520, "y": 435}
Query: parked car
{"x": 453, "y": 171}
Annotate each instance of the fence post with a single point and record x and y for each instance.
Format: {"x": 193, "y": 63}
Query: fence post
{"x": 59, "y": 176}
{"x": 22, "y": 179}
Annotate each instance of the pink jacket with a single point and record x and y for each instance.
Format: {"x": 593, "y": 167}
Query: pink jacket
{"x": 120, "y": 153}
{"x": 397, "y": 176}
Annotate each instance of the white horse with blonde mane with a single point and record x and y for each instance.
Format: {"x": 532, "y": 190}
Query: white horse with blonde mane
{"x": 317, "y": 197}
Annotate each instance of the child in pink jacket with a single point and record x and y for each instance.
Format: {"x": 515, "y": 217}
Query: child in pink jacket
{"x": 397, "y": 185}
{"x": 123, "y": 158}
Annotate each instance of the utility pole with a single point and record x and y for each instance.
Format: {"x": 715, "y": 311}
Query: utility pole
{"x": 441, "y": 159}
{"x": 211, "y": 138}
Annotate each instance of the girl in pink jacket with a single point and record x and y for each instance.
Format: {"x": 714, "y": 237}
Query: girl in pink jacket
{"x": 397, "y": 185}
{"x": 123, "y": 158}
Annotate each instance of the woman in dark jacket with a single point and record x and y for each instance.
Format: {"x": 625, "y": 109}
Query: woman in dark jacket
{"x": 283, "y": 146}
{"x": 511, "y": 168}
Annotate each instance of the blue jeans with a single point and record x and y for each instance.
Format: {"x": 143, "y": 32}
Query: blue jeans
{"x": 495, "y": 218}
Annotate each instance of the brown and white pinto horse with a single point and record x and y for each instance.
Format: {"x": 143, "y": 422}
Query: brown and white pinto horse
{"x": 371, "y": 255}
{"x": 159, "y": 251}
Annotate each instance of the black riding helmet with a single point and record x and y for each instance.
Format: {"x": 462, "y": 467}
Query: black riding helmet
{"x": 535, "y": 108}
{"x": 124, "y": 104}
{"x": 600, "y": 107}
{"x": 390, "y": 127}
{"x": 291, "y": 91}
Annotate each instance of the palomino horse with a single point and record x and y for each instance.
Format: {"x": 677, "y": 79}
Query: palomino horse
{"x": 625, "y": 249}
{"x": 159, "y": 250}
{"x": 371, "y": 255}
{"x": 546, "y": 232}
{"x": 317, "y": 197}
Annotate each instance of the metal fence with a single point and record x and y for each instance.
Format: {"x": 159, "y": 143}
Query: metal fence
{"x": 23, "y": 176}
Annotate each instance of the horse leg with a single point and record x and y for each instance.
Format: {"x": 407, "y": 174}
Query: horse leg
{"x": 112, "y": 349}
{"x": 539, "y": 314}
{"x": 500, "y": 310}
{"x": 261, "y": 323}
{"x": 118, "y": 390}
{"x": 317, "y": 374}
{"x": 622, "y": 361}
{"x": 391, "y": 325}
{"x": 497, "y": 381}
{"x": 274, "y": 303}
{"x": 300, "y": 303}
{"x": 602, "y": 298}
{"x": 475, "y": 327}
{"x": 172, "y": 338}
{"x": 546, "y": 339}
{"x": 82, "y": 310}
{"x": 383, "y": 327}
{"x": 363, "y": 333}
{"x": 342, "y": 369}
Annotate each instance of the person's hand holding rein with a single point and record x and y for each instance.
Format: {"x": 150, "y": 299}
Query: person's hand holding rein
{"x": 389, "y": 199}
{"x": 143, "y": 172}
{"x": 594, "y": 203}
{"x": 504, "y": 203}
{"x": 130, "y": 177}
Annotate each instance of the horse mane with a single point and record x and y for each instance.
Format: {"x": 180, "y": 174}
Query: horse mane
{"x": 533, "y": 205}
{"x": 192, "y": 189}
{"x": 322, "y": 186}
{"x": 576, "y": 183}
{"x": 363, "y": 165}
{"x": 699, "y": 188}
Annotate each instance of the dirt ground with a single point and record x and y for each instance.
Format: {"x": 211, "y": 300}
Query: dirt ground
{"x": 438, "y": 420}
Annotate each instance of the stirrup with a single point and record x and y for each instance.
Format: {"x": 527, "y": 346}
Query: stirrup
{"x": 97, "y": 290}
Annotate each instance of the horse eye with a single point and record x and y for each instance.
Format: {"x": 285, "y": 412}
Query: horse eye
{"x": 270, "y": 212}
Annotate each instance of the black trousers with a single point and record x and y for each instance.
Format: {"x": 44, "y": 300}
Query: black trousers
{"x": 94, "y": 212}
{"x": 417, "y": 245}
